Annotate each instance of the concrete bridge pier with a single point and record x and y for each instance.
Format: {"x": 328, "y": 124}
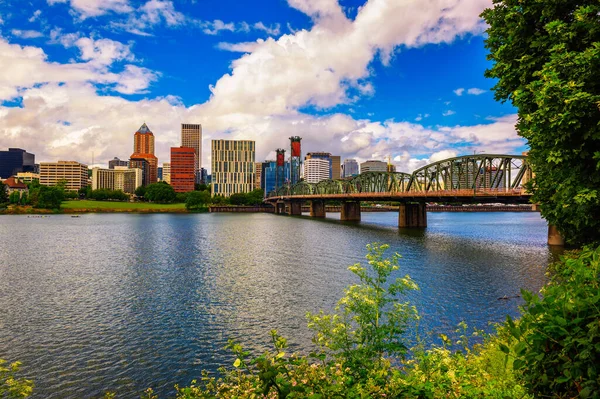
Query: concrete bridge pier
{"x": 317, "y": 209}
{"x": 412, "y": 215}
{"x": 280, "y": 208}
{"x": 351, "y": 211}
{"x": 554, "y": 236}
{"x": 295, "y": 208}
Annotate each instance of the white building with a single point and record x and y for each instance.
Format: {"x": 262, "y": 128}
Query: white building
{"x": 120, "y": 178}
{"x": 315, "y": 170}
{"x": 166, "y": 172}
{"x": 73, "y": 174}
{"x": 373, "y": 166}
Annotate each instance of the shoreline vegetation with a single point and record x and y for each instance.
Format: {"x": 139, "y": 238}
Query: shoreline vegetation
{"x": 93, "y": 206}
{"x": 359, "y": 350}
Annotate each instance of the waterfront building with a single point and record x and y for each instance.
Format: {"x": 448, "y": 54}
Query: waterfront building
{"x": 15, "y": 160}
{"x": 258, "y": 175}
{"x": 117, "y": 162}
{"x": 232, "y": 166}
{"x": 12, "y": 184}
{"x": 119, "y": 178}
{"x": 183, "y": 164}
{"x": 269, "y": 174}
{"x": 204, "y": 176}
{"x": 27, "y": 177}
{"x": 316, "y": 170}
{"x": 191, "y": 136}
{"x": 336, "y": 167}
{"x": 144, "y": 166}
{"x": 373, "y": 166}
{"x": 166, "y": 172}
{"x": 349, "y": 168}
{"x": 321, "y": 155}
{"x": 73, "y": 173}
{"x": 143, "y": 147}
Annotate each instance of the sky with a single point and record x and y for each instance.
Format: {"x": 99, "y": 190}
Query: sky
{"x": 363, "y": 79}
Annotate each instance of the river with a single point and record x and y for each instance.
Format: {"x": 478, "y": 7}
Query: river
{"x": 125, "y": 302}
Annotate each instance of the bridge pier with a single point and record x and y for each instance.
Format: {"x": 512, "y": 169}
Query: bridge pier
{"x": 412, "y": 215}
{"x": 280, "y": 208}
{"x": 554, "y": 236}
{"x": 351, "y": 211}
{"x": 295, "y": 208}
{"x": 317, "y": 209}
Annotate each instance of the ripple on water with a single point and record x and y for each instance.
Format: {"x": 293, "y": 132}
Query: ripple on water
{"x": 126, "y": 302}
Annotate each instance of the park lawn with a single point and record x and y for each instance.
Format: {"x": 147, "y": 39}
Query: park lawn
{"x": 134, "y": 206}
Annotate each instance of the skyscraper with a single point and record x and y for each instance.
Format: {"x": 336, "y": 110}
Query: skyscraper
{"x": 167, "y": 172}
{"x": 116, "y": 162}
{"x": 336, "y": 167}
{"x": 321, "y": 155}
{"x": 183, "y": 162}
{"x": 232, "y": 166}
{"x": 316, "y": 170}
{"x": 143, "y": 148}
{"x": 350, "y": 168}
{"x": 191, "y": 136}
{"x": 73, "y": 174}
{"x": 15, "y": 160}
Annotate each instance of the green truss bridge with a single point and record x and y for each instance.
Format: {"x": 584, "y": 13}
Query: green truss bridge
{"x": 481, "y": 178}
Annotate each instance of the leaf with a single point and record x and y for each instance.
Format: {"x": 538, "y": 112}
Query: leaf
{"x": 237, "y": 363}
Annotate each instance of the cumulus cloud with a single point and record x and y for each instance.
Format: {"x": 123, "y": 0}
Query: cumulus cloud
{"x": 475, "y": 91}
{"x": 35, "y": 16}
{"x": 94, "y": 8}
{"x": 459, "y": 92}
{"x": 26, "y": 34}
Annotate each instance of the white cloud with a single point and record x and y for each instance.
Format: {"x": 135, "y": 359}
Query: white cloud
{"x": 245, "y": 47}
{"x": 475, "y": 91}
{"x": 459, "y": 92}
{"x": 135, "y": 80}
{"x": 35, "y": 15}
{"x": 26, "y": 34}
{"x": 270, "y": 30}
{"x": 216, "y": 26}
{"x": 448, "y": 113}
{"x": 94, "y": 8}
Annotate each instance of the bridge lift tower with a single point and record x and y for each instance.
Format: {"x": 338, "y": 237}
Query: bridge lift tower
{"x": 295, "y": 159}
{"x": 280, "y": 178}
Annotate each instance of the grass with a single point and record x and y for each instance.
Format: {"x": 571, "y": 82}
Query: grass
{"x": 110, "y": 205}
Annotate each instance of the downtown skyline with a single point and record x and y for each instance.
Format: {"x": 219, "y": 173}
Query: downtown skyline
{"x": 363, "y": 79}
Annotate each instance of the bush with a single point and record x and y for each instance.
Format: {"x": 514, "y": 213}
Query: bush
{"x": 557, "y": 339}
{"x": 197, "y": 200}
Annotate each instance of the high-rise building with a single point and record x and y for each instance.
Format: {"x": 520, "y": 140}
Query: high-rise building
{"x": 159, "y": 173}
{"x": 166, "y": 174}
{"x": 191, "y": 136}
{"x": 316, "y": 170}
{"x": 183, "y": 163}
{"x": 144, "y": 166}
{"x": 117, "y": 162}
{"x": 119, "y": 178}
{"x": 321, "y": 155}
{"x": 15, "y": 160}
{"x": 336, "y": 167}
{"x": 258, "y": 175}
{"x": 143, "y": 147}
{"x": 269, "y": 175}
{"x": 73, "y": 174}
{"x": 350, "y": 168}
{"x": 204, "y": 176}
{"x": 373, "y": 166}
{"x": 232, "y": 166}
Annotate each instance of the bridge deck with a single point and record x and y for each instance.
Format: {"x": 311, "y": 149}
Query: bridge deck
{"x": 479, "y": 195}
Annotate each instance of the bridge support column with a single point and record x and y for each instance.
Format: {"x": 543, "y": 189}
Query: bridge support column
{"x": 317, "y": 209}
{"x": 280, "y": 208}
{"x": 295, "y": 208}
{"x": 351, "y": 211}
{"x": 554, "y": 236}
{"x": 412, "y": 215}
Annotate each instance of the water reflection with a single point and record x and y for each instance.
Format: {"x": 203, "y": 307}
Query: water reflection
{"x": 124, "y": 302}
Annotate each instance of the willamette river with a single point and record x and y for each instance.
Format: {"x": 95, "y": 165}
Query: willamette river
{"x": 125, "y": 302}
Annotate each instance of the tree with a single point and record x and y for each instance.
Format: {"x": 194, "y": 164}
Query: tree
{"x": 49, "y": 197}
{"x": 3, "y": 193}
{"x": 160, "y": 192}
{"x": 238, "y": 199}
{"x": 14, "y": 197}
{"x": 140, "y": 191}
{"x": 547, "y": 61}
{"x": 201, "y": 187}
{"x": 197, "y": 200}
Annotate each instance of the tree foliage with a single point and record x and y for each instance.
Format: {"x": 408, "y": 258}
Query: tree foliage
{"x": 3, "y": 193}
{"x": 254, "y": 197}
{"x": 547, "y": 61}
{"x": 11, "y": 386}
{"x": 161, "y": 193}
{"x": 197, "y": 200}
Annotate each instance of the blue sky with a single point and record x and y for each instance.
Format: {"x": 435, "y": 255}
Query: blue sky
{"x": 363, "y": 79}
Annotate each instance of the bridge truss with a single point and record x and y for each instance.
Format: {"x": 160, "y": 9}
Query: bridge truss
{"x": 481, "y": 172}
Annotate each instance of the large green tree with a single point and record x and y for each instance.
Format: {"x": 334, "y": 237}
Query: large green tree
{"x": 160, "y": 192}
{"x": 547, "y": 63}
{"x": 3, "y": 193}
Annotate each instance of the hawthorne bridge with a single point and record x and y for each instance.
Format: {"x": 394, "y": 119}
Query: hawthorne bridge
{"x": 468, "y": 179}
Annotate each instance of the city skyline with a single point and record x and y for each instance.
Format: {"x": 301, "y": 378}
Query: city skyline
{"x": 412, "y": 88}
